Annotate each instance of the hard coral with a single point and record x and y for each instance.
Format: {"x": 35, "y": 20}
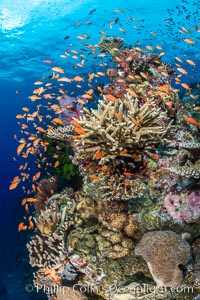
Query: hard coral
{"x": 119, "y": 127}
{"x": 164, "y": 251}
{"x": 47, "y": 249}
{"x": 119, "y": 188}
{"x": 111, "y": 44}
{"x": 191, "y": 171}
{"x": 61, "y": 133}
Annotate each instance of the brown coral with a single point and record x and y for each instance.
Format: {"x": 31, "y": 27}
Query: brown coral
{"x": 119, "y": 188}
{"x": 113, "y": 244}
{"x": 164, "y": 251}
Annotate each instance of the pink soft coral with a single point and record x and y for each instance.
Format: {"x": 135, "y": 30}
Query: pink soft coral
{"x": 183, "y": 206}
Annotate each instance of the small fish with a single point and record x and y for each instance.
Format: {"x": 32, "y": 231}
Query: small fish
{"x": 179, "y": 59}
{"x": 19, "y": 116}
{"x": 191, "y": 62}
{"x": 131, "y": 92}
{"x": 57, "y": 121}
{"x": 149, "y": 47}
{"x": 92, "y": 11}
{"x": 189, "y": 41}
{"x": 21, "y": 226}
{"x": 164, "y": 88}
{"x": 122, "y": 29}
{"x": 16, "y": 180}
{"x": 94, "y": 177}
{"x": 183, "y": 71}
{"x": 159, "y": 47}
{"x": 38, "y": 82}
{"x": 144, "y": 75}
{"x": 56, "y": 164}
{"x": 192, "y": 121}
{"x": 186, "y": 86}
{"x": 128, "y": 174}
{"x": 196, "y": 108}
{"x": 78, "y": 78}
{"x": 47, "y": 60}
{"x": 111, "y": 98}
{"x": 100, "y": 155}
{"x": 57, "y": 69}
{"x": 20, "y": 148}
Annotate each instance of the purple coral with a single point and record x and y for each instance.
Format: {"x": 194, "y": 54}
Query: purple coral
{"x": 183, "y": 206}
{"x": 71, "y": 108}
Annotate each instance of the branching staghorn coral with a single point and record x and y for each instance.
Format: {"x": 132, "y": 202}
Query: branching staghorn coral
{"x": 119, "y": 127}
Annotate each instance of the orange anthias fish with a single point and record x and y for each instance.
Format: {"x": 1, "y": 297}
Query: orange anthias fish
{"x": 111, "y": 98}
{"x": 94, "y": 177}
{"x": 183, "y": 71}
{"x": 164, "y": 88}
{"x": 57, "y": 69}
{"x": 189, "y": 41}
{"x": 21, "y": 226}
{"x": 192, "y": 121}
{"x": 16, "y": 180}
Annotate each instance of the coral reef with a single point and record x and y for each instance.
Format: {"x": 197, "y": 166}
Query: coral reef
{"x": 164, "y": 251}
{"x": 136, "y": 212}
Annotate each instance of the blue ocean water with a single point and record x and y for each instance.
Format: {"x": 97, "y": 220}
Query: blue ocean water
{"x": 32, "y": 31}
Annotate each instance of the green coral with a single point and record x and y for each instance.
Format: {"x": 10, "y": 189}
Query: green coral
{"x": 66, "y": 171}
